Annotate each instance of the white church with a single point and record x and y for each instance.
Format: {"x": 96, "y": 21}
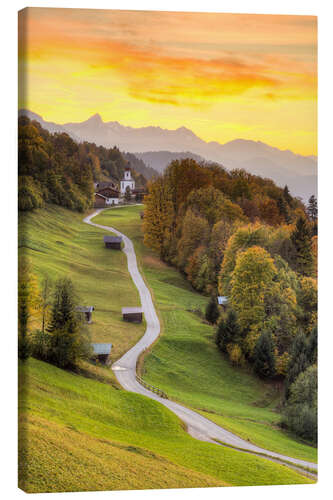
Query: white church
{"x": 127, "y": 181}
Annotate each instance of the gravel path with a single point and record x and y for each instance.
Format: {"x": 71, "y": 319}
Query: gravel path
{"x": 125, "y": 369}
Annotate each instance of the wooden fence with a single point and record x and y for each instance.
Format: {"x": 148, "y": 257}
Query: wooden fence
{"x": 151, "y": 388}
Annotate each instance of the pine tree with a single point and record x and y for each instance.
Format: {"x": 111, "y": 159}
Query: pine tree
{"x": 263, "y": 355}
{"x": 228, "y": 331}
{"x": 283, "y": 209}
{"x": 302, "y": 241}
{"x": 69, "y": 340}
{"x": 299, "y": 361}
{"x": 23, "y": 317}
{"x": 128, "y": 195}
{"x": 287, "y": 196}
{"x": 312, "y": 347}
{"x": 212, "y": 310}
{"x": 312, "y": 208}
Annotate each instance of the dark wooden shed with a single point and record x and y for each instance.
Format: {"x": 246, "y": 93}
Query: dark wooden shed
{"x": 113, "y": 242}
{"x": 86, "y": 311}
{"x": 132, "y": 314}
{"x": 101, "y": 353}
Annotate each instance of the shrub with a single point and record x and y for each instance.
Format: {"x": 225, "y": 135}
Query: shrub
{"x": 300, "y": 414}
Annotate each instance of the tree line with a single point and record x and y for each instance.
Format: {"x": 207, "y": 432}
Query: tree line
{"x": 240, "y": 236}
{"x": 63, "y": 339}
{"x": 54, "y": 169}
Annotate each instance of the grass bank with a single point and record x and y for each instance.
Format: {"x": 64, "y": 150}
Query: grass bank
{"x": 186, "y": 364}
{"x": 80, "y": 434}
{"x": 59, "y": 244}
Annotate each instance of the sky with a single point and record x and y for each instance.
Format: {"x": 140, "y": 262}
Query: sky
{"x": 224, "y": 76}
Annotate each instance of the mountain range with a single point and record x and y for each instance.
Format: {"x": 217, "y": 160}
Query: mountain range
{"x": 157, "y": 147}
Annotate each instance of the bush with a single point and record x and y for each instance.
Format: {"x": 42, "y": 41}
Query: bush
{"x": 300, "y": 414}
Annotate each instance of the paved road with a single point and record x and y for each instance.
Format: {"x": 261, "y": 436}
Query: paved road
{"x": 125, "y": 368}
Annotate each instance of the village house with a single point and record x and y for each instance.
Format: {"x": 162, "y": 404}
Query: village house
{"x": 101, "y": 353}
{"x": 113, "y": 242}
{"x": 132, "y": 314}
{"x": 106, "y": 195}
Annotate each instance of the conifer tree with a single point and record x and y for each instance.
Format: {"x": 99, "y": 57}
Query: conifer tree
{"x": 302, "y": 241}
{"x": 312, "y": 208}
{"x": 299, "y": 361}
{"x": 68, "y": 338}
{"x": 23, "y": 317}
{"x": 287, "y": 196}
{"x": 228, "y": 331}
{"x": 312, "y": 347}
{"x": 264, "y": 358}
{"x": 212, "y": 310}
{"x": 283, "y": 208}
{"x": 128, "y": 195}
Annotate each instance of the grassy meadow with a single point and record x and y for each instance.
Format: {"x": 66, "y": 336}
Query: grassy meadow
{"x": 186, "y": 364}
{"x": 80, "y": 434}
{"x": 84, "y": 433}
{"x": 59, "y": 244}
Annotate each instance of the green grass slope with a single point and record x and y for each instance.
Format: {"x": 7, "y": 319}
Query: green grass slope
{"x": 186, "y": 364}
{"x": 80, "y": 434}
{"x": 59, "y": 244}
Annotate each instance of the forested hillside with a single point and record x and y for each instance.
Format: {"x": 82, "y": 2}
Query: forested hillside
{"x": 240, "y": 236}
{"x": 55, "y": 169}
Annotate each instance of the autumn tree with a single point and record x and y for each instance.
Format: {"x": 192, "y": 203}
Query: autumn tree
{"x": 210, "y": 203}
{"x": 195, "y": 233}
{"x": 158, "y": 224}
{"x": 307, "y": 302}
{"x": 28, "y": 305}
{"x": 302, "y": 241}
{"x": 250, "y": 283}
{"x": 244, "y": 237}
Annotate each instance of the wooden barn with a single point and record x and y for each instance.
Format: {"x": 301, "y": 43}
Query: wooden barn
{"x": 101, "y": 353}
{"x": 113, "y": 242}
{"x": 132, "y": 314}
{"x": 222, "y": 301}
{"x": 106, "y": 194}
{"x": 100, "y": 201}
{"x": 87, "y": 312}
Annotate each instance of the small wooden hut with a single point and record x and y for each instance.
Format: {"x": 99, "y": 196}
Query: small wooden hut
{"x": 132, "y": 314}
{"x": 222, "y": 301}
{"x": 101, "y": 353}
{"x": 113, "y": 242}
{"x": 86, "y": 311}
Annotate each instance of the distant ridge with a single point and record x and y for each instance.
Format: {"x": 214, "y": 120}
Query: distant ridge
{"x": 284, "y": 167}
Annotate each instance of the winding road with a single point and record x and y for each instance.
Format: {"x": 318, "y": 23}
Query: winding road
{"x": 125, "y": 370}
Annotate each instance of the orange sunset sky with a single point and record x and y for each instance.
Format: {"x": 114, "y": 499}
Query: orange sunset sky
{"x": 224, "y": 76}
